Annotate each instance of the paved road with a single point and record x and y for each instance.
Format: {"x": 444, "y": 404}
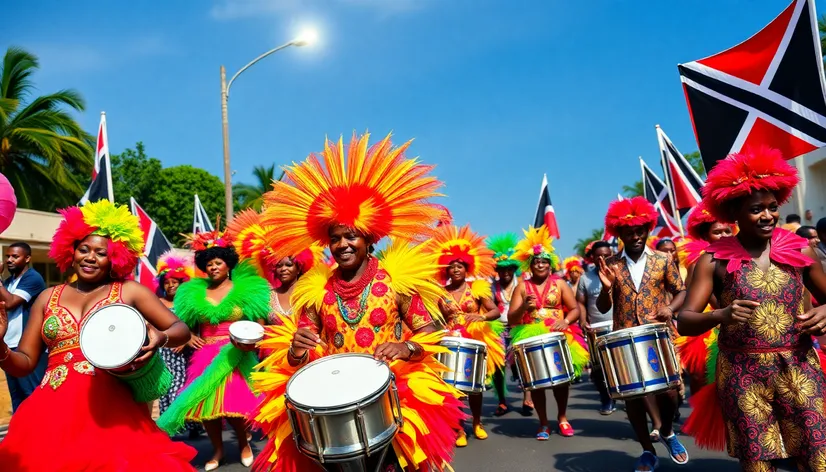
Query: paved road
{"x": 601, "y": 444}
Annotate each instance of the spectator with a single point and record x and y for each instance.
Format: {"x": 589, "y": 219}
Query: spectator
{"x": 792, "y": 223}
{"x": 19, "y": 291}
{"x": 808, "y": 232}
{"x": 820, "y": 249}
{"x": 809, "y": 217}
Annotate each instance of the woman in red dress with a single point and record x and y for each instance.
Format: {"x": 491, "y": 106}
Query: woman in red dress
{"x": 769, "y": 387}
{"x": 84, "y": 418}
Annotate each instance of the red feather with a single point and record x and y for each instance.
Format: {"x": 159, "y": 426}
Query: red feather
{"x": 635, "y": 211}
{"x": 706, "y": 420}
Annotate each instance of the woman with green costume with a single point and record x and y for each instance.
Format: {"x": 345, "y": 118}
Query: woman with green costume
{"x": 218, "y": 375}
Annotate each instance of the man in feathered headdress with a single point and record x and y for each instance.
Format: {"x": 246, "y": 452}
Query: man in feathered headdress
{"x": 348, "y": 199}
{"x": 635, "y": 304}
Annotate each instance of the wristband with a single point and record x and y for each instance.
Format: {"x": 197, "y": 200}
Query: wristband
{"x": 166, "y": 341}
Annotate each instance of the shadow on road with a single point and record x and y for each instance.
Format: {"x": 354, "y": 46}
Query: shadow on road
{"x": 607, "y": 460}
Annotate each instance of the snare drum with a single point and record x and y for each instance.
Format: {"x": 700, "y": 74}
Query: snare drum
{"x": 639, "y": 361}
{"x": 543, "y": 361}
{"x": 343, "y": 407}
{"x": 112, "y": 336}
{"x": 246, "y": 332}
{"x": 597, "y": 330}
{"x": 466, "y": 361}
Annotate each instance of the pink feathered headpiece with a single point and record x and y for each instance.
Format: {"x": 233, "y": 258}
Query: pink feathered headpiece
{"x": 635, "y": 211}
{"x": 744, "y": 173}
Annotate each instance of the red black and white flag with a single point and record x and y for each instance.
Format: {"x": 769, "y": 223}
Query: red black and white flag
{"x": 767, "y": 90}
{"x": 655, "y": 191}
{"x": 684, "y": 183}
{"x": 201, "y": 222}
{"x": 545, "y": 210}
{"x": 155, "y": 244}
{"x": 101, "y": 186}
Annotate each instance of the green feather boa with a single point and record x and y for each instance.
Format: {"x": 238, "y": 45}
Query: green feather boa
{"x": 711, "y": 362}
{"x": 249, "y": 291}
{"x": 228, "y": 359}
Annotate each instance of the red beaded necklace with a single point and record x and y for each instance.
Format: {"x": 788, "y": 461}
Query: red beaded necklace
{"x": 348, "y": 290}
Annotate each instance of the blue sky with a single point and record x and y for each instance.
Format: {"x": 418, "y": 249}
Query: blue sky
{"x": 495, "y": 93}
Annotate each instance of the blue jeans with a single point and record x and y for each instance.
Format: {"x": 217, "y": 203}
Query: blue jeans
{"x": 21, "y": 387}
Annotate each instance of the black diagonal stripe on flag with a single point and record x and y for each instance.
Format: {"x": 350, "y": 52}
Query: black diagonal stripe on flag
{"x": 655, "y": 191}
{"x": 99, "y": 189}
{"x": 768, "y": 90}
{"x": 155, "y": 241}
{"x": 686, "y": 185}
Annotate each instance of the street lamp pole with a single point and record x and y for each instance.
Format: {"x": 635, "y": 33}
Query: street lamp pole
{"x": 303, "y": 40}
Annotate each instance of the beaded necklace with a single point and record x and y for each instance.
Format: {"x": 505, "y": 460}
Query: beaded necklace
{"x": 349, "y": 290}
{"x": 347, "y": 314}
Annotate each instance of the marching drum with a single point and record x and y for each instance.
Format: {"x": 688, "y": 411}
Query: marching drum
{"x": 343, "y": 409}
{"x": 466, "y": 359}
{"x": 246, "y": 332}
{"x": 639, "y": 361}
{"x": 543, "y": 361}
{"x": 112, "y": 336}
{"x": 597, "y": 330}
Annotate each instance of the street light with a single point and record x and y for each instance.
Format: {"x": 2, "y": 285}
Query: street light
{"x": 305, "y": 38}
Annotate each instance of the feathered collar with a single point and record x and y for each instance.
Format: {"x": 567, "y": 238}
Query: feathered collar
{"x": 689, "y": 250}
{"x": 250, "y": 293}
{"x": 785, "y": 248}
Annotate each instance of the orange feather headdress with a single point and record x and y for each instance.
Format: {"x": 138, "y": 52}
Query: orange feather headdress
{"x": 452, "y": 244}
{"x": 572, "y": 264}
{"x": 375, "y": 190}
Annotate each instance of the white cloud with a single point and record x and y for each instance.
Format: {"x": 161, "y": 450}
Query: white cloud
{"x": 237, "y": 9}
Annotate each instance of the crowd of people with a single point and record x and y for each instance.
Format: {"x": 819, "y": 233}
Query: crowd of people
{"x": 740, "y": 298}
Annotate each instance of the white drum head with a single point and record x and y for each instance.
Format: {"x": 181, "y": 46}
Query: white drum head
{"x": 540, "y": 339}
{"x": 338, "y": 380}
{"x": 112, "y": 336}
{"x": 247, "y": 332}
{"x": 462, "y": 341}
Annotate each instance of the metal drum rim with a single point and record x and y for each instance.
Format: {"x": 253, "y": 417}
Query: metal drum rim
{"x": 633, "y": 331}
{"x": 553, "y": 334}
{"x": 386, "y": 436}
{"x": 92, "y": 314}
{"x": 347, "y": 407}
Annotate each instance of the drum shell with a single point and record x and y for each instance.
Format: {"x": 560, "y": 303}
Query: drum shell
{"x": 543, "y": 363}
{"x": 593, "y": 334}
{"x": 90, "y": 354}
{"x": 639, "y": 361}
{"x": 334, "y": 434}
{"x": 467, "y": 366}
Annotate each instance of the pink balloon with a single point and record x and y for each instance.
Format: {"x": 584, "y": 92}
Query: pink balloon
{"x": 8, "y": 203}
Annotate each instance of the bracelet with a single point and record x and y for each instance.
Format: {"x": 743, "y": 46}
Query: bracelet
{"x": 415, "y": 350}
{"x": 166, "y": 341}
{"x": 291, "y": 354}
{"x": 8, "y": 354}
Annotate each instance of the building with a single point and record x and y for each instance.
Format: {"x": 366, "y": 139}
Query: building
{"x": 810, "y": 194}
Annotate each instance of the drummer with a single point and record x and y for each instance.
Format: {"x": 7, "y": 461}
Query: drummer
{"x": 349, "y": 199}
{"x": 637, "y": 285}
{"x": 81, "y": 417}
{"x": 587, "y": 292}
{"x": 469, "y": 309}
{"x": 537, "y": 308}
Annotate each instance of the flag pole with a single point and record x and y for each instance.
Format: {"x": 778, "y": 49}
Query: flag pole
{"x": 668, "y": 185}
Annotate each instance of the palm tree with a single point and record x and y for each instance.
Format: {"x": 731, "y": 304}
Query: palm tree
{"x": 633, "y": 190}
{"x": 252, "y": 196}
{"x": 43, "y": 151}
{"x": 582, "y": 243}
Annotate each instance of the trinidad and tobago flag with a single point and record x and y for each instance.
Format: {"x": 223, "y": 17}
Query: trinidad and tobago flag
{"x": 545, "y": 214}
{"x": 155, "y": 244}
{"x": 200, "y": 221}
{"x": 767, "y": 90}
{"x": 685, "y": 185}
{"x": 101, "y": 186}
{"x": 655, "y": 191}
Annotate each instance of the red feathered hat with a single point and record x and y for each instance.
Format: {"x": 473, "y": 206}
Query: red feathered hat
{"x": 635, "y": 211}
{"x": 744, "y": 173}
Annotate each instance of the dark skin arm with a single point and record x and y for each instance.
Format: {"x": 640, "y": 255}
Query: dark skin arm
{"x": 608, "y": 275}
{"x": 692, "y": 320}
{"x": 688, "y": 279}
{"x": 569, "y": 301}
{"x": 520, "y": 303}
{"x": 489, "y": 312}
{"x": 814, "y": 320}
{"x": 12, "y": 301}
{"x": 24, "y": 361}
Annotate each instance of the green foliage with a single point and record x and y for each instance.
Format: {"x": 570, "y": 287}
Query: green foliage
{"x": 44, "y": 152}
{"x": 633, "y": 190}
{"x": 582, "y": 243}
{"x": 251, "y": 195}
{"x": 167, "y": 194}
{"x": 134, "y": 174}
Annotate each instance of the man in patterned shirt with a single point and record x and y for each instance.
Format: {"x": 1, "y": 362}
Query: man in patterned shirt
{"x": 637, "y": 284}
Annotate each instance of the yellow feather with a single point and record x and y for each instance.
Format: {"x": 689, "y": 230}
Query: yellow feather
{"x": 411, "y": 272}
{"x": 481, "y": 288}
{"x": 309, "y": 290}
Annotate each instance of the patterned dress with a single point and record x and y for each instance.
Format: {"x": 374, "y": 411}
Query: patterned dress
{"x": 86, "y": 417}
{"x": 488, "y": 332}
{"x": 769, "y": 380}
